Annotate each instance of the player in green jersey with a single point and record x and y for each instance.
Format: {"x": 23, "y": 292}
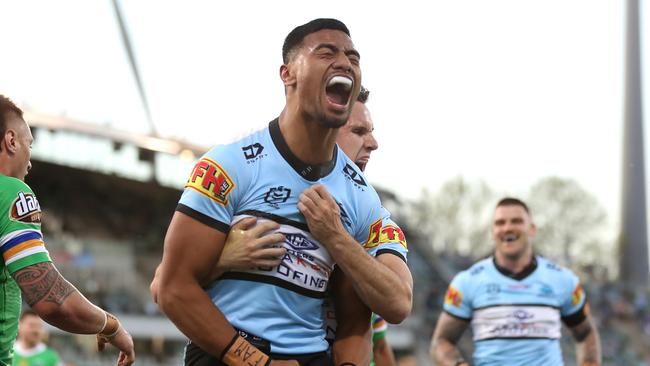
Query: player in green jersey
{"x": 25, "y": 265}
{"x": 29, "y": 349}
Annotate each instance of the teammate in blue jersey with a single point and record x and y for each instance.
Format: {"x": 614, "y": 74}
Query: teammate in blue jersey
{"x": 291, "y": 173}
{"x": 250, "y": 245}
{"x": 515, "y": 302}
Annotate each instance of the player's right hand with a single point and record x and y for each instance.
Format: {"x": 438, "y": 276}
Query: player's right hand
{"x": 122, "y": 341}
{"x": 250, "y": 245}
{"x": 284, "y": 363}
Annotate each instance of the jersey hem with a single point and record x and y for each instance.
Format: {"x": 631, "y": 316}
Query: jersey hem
{"x": 272, "y": 281}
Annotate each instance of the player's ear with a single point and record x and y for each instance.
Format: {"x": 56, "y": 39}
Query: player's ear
{"x": 10, "y": 141}
{"x": 533, "y": 230}
{"x": 287, "y": 75}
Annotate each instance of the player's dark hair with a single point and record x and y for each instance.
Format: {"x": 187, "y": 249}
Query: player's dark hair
{"x": 7, "y": 107}
{"x": 363, "y": 95}
{"x": 511, "y": 201}
{"x": 297, "y": 35}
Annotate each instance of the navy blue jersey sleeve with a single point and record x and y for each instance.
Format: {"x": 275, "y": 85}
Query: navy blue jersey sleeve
{"x": 214, "y": 188}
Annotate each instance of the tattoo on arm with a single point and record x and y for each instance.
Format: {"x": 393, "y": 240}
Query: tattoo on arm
{"x": 42, "y": 282}
{"x": 582, "y": 330}
{"x": 587, "y": 342}
{"x": 446, "y": 336}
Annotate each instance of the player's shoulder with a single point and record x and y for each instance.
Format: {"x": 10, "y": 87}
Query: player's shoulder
{"x": 19, "y": 199}
{"x": 553, "y": 269}
{"x": 354, "y": 178}
{"x": 474, "y": 272}
{"x": 250, "y": 146}
{"x": 11, "y": 185}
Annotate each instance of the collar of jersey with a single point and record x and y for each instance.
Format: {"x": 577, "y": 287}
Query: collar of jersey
{"x": 308, "y": 171}
{"x": 530, "y": 268}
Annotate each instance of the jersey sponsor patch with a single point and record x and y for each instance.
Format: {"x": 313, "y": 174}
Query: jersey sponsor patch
{"x": 306, "y": 264}
{"x": 211, "y": 180}
{"x": 516, "y": 321}
{"x": 384, "y": 234}
{"x": 25, "y": 208}
{"x": 453, "y": 297}
{"x": 577, "y": 295}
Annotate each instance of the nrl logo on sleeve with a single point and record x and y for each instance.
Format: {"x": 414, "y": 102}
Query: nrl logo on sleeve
{"x": 25, "y": 208}
{"x": 211, "y": 180}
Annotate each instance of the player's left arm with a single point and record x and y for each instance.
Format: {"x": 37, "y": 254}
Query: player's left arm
{"x": 351, "y": 346}
{"x": 587, "y": 342}
{"x": 576, "y": 315}
{"x": 384, "y": 283}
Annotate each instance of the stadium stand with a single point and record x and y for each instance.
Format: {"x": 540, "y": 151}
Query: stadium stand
{"x": 105, "y": 227}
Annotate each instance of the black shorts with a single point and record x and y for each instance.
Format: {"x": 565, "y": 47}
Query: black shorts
{"x": 195, "y": 356}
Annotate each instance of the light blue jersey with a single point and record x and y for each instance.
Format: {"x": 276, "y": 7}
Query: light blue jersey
{"x": 516, "y": 321}
{"x": 259, "y": 176}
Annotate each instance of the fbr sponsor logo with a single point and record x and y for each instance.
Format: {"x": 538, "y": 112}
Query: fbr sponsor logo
{"x": 211, "y": 180}
{"x": 384, "y": 234}
{"x": 25, "y": 208}
{"x": 453, "y": 297}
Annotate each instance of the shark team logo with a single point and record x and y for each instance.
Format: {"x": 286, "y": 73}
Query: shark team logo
{"x": 25, "y": 208}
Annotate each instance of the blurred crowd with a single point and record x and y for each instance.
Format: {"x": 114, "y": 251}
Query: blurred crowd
{"x": 106, "y": 233}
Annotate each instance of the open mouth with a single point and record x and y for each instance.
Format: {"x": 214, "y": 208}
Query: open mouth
{"x": 510, "y": 238}
{"x": 338, "y": 90}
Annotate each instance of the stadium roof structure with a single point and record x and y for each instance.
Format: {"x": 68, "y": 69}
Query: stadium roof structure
{"x": 102, "y": 149}
{"x": 143, "y": 141}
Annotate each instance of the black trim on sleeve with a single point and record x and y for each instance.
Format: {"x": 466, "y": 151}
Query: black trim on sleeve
{"x": 577, "y": 317}
{"x": 458, "y": 317}
{"x": 254, "y": 277}
{"x": 390, "y": 251}
{"x": 203, "y": 218}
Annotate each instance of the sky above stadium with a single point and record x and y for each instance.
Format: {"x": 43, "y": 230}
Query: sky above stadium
{"x": 505, "y": 91}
